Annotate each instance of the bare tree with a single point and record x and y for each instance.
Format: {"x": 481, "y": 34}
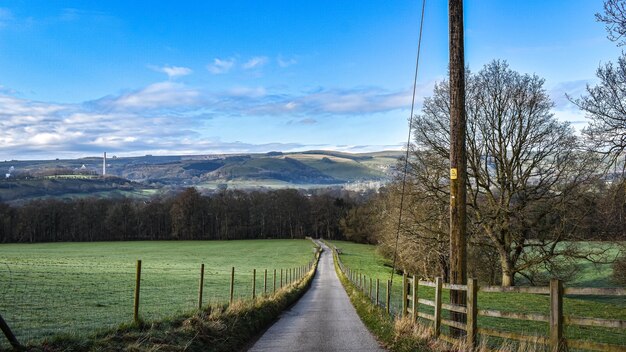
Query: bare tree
{"x": 614, "y": 18}
{"x": 605, "y": 105}
{"x": 525, "y": 168}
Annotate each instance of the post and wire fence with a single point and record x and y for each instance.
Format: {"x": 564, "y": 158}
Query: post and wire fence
{"x": 544, "y": 326}
{"x": 77, "y": 300}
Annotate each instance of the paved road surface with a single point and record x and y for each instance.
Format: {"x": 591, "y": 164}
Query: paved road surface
{"x": 322, "y": 320}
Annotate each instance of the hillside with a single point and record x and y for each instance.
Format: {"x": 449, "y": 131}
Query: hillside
{"x": 139, "y": 176}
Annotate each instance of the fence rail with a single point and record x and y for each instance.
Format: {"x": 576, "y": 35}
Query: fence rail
{"x": 557, "y": 320}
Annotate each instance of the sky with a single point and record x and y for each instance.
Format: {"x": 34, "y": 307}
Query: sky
{"x": 78, "y": 78}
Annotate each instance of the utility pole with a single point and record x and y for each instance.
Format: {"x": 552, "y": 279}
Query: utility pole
{"x": 458, "y": 165}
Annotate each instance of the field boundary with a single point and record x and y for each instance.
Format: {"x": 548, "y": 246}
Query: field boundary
{"x": 274, "y": 286}
{"x": 555, "y": 341}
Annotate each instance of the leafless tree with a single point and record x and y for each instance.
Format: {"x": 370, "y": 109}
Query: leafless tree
{"x": 605, "y": 106}
{"x": 525, "y": 168}
{"x": 614, "y": 17}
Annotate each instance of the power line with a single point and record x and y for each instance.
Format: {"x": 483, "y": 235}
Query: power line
{"x": 408, "y": 141}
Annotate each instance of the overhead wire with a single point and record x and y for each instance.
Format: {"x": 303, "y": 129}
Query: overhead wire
{"x": 408, "y": 142}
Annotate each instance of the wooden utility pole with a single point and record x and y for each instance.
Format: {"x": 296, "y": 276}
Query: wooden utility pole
{"x": 458, "y": 259}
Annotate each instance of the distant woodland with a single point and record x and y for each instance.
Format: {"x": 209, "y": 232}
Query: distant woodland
{"x": 189, "y": 215}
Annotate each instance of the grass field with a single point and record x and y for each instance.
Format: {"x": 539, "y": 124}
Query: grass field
{"x": 78, "y": 288}
{"x": 364, "y": 258}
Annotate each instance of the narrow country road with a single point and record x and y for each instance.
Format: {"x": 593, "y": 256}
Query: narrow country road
{"x": 322, "y": 320}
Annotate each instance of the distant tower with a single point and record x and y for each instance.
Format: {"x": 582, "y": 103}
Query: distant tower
{"x": 104, "y": 164}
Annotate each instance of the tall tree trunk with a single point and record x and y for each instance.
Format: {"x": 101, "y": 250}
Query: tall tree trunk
{"x": 508, "y": 274}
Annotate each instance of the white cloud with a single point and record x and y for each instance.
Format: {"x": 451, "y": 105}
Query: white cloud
{"x": 255, "y": 62}
{"x": 13, "y": 106}
{"x": 172, "y": 118}
{"x": 157, "y": 95}
{"x": 173, "y": 71}
{"x": 283, "y": 62}
{"x": 220, "y": 66}
{"x": 564, "y": 109}
{"x": 342, "y": 102}
{"x": 256, "y": 92}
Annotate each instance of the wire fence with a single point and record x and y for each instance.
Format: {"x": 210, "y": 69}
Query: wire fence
{"x": 47, "y": 301}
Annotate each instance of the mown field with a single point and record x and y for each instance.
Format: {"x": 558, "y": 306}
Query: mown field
{"x": 78, "y": 288}
{"x": 364, "y": 258}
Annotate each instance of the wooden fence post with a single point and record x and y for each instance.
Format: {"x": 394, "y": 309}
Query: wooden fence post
{"x": 388, "y": 303}
{"x": 232, "y": 284}
{"x": 265, "y": 283}
{"x": 137, "y": 290}
{"x": 414, "y": 287}
{"x": 405, "y": 293}
{"x": 437, "y": 321}
{"x": 281, "y": 278}
{"x": 253, "y": 283}
{"x": 274, "y": 281}
{"x": 201, "y": 286}
{"x": 377, "y": 291}
{"x": 556, "y": 315}
{"x": 9, "y": 334}
{"x": 370, "y": 287}
{"x": 472, "y": 312}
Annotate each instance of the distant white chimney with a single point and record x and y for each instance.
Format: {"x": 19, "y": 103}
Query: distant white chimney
{"x": 104, "y": 164}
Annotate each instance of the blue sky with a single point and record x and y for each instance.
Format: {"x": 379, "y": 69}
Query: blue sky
{"x": 193, "y": 77}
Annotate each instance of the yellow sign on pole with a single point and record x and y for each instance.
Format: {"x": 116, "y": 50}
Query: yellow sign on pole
{"x": 453, "y": 174}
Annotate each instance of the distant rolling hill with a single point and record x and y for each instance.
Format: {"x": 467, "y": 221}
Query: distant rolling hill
{"x": 147, "y": 174}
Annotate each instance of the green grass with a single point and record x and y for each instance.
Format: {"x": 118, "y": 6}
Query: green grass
{"x": 363, "y": 258}
{"x": 216, "y": 327}
{"x": 79, "y": 288}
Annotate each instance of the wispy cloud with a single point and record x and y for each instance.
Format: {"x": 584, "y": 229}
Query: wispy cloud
{"x": 74, "y": 14}
{"x": 172, "y": 71}
{"x": 248, "y": 92}
{"x": 255, "y": 62}
{"x": 339, "y": 101}
{"x": 155, "y": 96}
{"x": 220, "y": 66}
{"x": 572, "y": 88}
{"x": 172, "y": 118}
{"x": 285, "y": 62}
{"x": 564, "y": 109}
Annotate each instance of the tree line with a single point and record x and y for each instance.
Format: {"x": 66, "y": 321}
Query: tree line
{"x": 225, "y": 215}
